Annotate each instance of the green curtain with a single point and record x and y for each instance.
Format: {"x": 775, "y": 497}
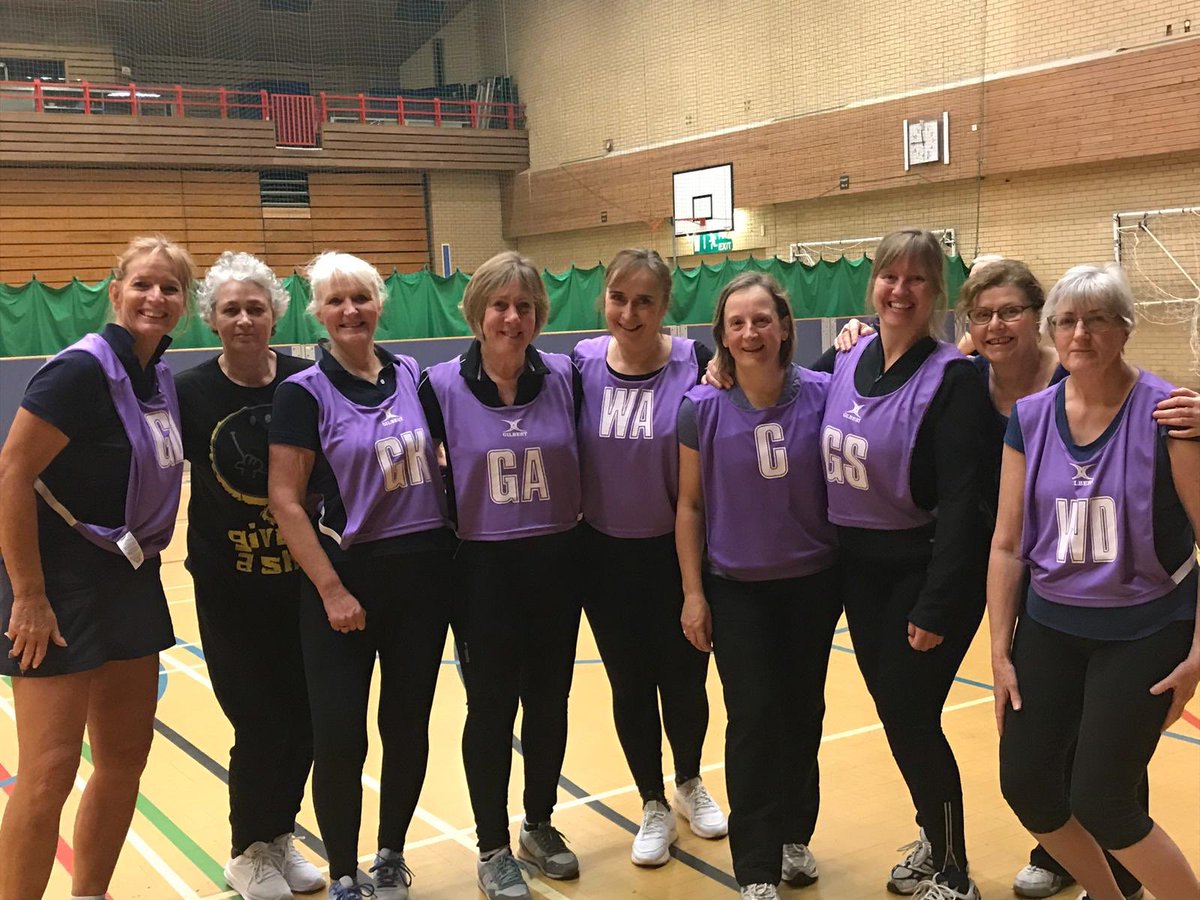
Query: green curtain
{"x": 37, "y": 320}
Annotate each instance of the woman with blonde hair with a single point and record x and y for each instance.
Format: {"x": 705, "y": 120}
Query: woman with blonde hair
{"x": 505, "y": 413}
{"x": 903, "y": 466}
{"x": 90, "y": 482}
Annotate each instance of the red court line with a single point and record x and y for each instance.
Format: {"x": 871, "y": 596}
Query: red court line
{"x": 1191, "y": 719}
{"x": 64, "y": 853}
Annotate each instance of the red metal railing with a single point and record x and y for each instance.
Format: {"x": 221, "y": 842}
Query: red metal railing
{"x": 87, "y": 98}
{"x": 367, "y": 110}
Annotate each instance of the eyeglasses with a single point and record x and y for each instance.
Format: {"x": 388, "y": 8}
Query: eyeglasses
{"x": 1097, "y": 323}
{"x": 981, "y": 316}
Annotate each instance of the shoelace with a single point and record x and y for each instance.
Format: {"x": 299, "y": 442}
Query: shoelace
{"x": 932, "y": 890}
{"x": 391, "y": 872}
{"x": 549, "y": 839}
{"x": 655, "y": 818}
{"x": 759, "y": 890}
{"x": 702, "y": 800}
{"x": 507, "y": 870}
{"x": 915, "y": 853}
{"x": 358, "y": 892}
{"x": 263, "y": 864}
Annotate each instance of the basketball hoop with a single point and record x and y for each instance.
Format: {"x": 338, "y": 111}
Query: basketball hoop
{"x": 692, "y": 225}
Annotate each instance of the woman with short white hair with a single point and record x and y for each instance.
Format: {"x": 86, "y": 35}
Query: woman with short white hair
{"x": 350, "y": 431}
{"x": 247, "y": 586}
{"x": 1103, "y": 509}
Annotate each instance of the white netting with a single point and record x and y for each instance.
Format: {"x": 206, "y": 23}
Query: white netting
{"x": 811, "y": 252}
{"x": 1160, "y": 251}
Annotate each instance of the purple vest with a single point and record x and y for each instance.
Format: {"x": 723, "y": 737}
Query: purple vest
{"x": 1088, "y": 537}
{"x": 867, "y": 443}
{"x": 383, "y": 458}
{"x": 629, "y": 454}
{"x": 516, "y": 468}
{"x": 155, "y": 463}
{"x": 760, "y": 471}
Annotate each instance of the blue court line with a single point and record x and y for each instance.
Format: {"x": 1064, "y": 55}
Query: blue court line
{"x": 6, "y": 782}
{"x": 987, "y": 687}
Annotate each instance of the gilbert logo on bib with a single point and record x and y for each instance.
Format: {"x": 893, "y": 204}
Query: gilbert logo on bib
{"x": 391, "y": 417}
{"x": 514, "y": 428}
{"x": 855, "y": 412}
{"x": 1083, "y": 474}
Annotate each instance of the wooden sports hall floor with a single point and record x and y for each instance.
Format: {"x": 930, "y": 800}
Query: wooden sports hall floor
{"x": 179, "y": 838}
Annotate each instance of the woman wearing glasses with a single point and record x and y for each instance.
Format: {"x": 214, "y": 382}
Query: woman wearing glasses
{"x": 1107, "y": 644}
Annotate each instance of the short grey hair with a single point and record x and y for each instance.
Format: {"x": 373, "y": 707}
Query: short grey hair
{"x": 1097, "y": 287}
{"x": 333, "y": 265}
{"x": 243, "y": 267}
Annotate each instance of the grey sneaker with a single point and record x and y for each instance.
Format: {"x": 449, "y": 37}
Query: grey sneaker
{"x": 759, "y": 892}
{"x": 799, "y": 867}
{"x": 500, "y": 878}
{"x": 917, "y": 866}
{"x": 391, "y": 876}
{"x": 544, "y": 847}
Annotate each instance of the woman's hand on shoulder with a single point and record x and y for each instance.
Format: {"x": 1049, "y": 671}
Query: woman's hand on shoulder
{"x": 31, "y": 628}
{"x": 1182, "y": 683}
{"x": 715, "y": 376}
{"x": 696, "y": 620}
{"x": 1180, "y": 412}
{"x": 850, "y": 333}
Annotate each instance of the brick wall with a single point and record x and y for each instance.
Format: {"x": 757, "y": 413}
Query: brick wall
{"x": 465, "y": 208}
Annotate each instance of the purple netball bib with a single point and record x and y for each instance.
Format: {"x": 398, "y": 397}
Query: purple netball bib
{"x": 516, "y": 468}
{"x": 764, "y": 497}
{"x": 155, "y": 463}
{"x": 867, "y": 443}
{"x": 1087, "y": 536}
{"x": 629, "y": 455}
{"x": 383, "y": 458}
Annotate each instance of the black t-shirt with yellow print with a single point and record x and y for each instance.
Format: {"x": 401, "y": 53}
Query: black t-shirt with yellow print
{"x": 230, "y": 531}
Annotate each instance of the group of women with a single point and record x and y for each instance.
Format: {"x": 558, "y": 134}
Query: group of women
{"x": 357, "y": 508}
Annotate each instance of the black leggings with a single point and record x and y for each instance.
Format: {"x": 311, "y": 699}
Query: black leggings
{"x": 633, "y": 603}
{"x": 406, "y": 600}
{"x": 516, "y": 622}
{"x": 910, "y": 687}
{"x": 250, "y": 629}
{"x": 772, "y": 642}
{"x": 1093, "y": 696}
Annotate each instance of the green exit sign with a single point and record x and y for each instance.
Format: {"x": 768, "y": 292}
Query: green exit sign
{"x": 713, "y": 243}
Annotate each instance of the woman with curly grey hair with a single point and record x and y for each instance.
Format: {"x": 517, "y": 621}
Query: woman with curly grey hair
{"x": 247, "y": 585}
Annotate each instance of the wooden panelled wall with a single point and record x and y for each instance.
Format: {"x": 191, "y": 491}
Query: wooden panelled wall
{"x": 64, "y": 223}
{"x": 83, "y": 63}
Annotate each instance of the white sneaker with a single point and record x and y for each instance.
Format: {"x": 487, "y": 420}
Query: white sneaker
{"x": 652, "y": 845}
{"x": 256, "y": 874}
{"x": 936, "y": 889}
{"x": 916, "y": 867}
{"x": 694, "y": 803}
{"x": 799, "y": 867}
{"x": 301, "y": 875}
{"x": 759, "y": 892}
{"x": 1034, "y": 882}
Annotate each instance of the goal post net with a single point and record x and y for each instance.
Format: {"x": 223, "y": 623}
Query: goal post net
{"x": 1160, "y": 252}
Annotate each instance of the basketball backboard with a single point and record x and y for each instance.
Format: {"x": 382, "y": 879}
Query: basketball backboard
{"x": 703, "y": 200}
